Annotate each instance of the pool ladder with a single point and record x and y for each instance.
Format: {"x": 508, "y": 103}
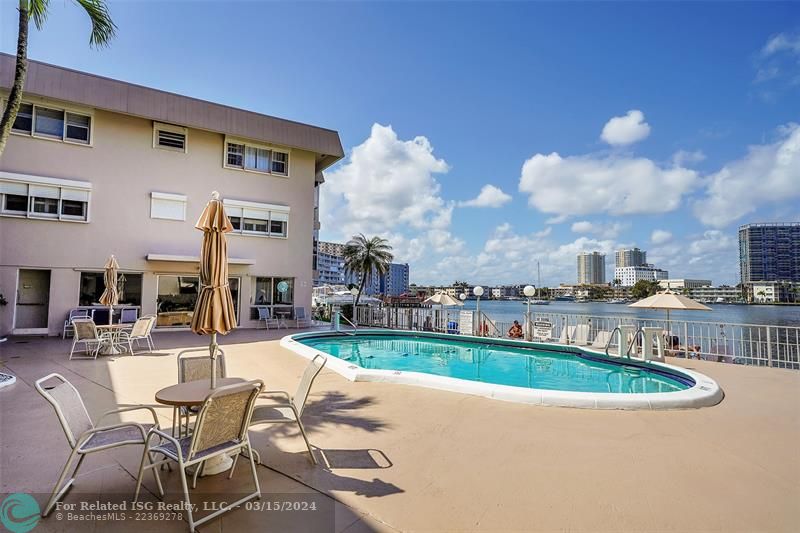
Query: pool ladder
{"x": 617, "y": 329}
{"x": 343, "y": 332}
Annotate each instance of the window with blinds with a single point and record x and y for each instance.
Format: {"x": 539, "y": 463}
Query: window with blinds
{"x": 251, "y": 218}
{"x": 53, "y": 123}
{"x": 49, "y": 198}
{"x": 254, "y": 158}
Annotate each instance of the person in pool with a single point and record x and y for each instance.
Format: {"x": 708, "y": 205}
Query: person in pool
{"x": 515, "y": 331}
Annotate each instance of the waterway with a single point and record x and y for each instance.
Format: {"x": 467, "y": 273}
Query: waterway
{"x": 776, "y": 315}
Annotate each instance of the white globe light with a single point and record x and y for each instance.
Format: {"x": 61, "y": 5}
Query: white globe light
{"x": 463, "y": 295}
{"x": 529, "y": 290}
{"x": 478, "y": 291}
{"x": 354, "y": 291}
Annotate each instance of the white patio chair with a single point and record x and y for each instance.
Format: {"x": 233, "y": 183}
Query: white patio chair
{"x": 601, "y": 339}
{"x": 581, "y": 335}
{"x": 265, "y": 315}
{"x": 193, "y": 368}
{"x": 86, "y": 333}
{"x": 290, "y": 409}
{"x": 567, "y": 334}
{"x": 86, "y": 437}
{"x": 300, "y": 318}
{"x": 221, "y": 429}
{"x": 140, "y": 332}
{"x": 73, "y": 314}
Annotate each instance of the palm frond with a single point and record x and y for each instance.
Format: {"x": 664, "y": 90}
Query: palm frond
{"x": 103, "y": 28}
{"x": 37, "y": 9}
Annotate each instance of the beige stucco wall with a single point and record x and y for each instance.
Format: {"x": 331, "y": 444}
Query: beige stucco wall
{"x": 124, "y": 169}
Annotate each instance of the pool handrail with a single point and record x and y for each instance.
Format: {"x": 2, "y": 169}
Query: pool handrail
{"x": 633, "y": 341}
{"x": 355, "y": 328}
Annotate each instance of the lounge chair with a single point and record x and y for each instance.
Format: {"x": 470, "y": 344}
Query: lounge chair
{"x": 567, "y": 333}
{"x": 83, "y": 435}
{"x": 221, "y": 430}
{"x": 86, "y": 333}
{"x": 601, "y": 339}
{"x": 290, "y": 408}
{"x": 581, "y": 335}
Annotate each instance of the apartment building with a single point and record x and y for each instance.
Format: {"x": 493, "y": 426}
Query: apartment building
{"x": 591, "y": 268}
{"x": 393, "y": 283}
{"x": 769, "y": 252}
{"x": 330, "y": 269}
{"x": 628, "y": 276}
{"x": 631, "y": 257}
{"x": 96, "y": 166}
{"x": 679, "y": 284}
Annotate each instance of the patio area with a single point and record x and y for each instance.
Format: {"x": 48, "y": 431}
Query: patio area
{"x": 396, "y": 457}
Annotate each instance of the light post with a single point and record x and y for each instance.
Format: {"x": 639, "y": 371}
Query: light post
{"x": 529, "y": 291}
{"x": 478, "y": 292}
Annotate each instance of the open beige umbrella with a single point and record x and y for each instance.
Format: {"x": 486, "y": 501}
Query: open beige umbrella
{"x": 443, "y": 299}
{"x": 214, "y": 312}
{"x": 668, "y": 301}
{"x": 110, "y": 296}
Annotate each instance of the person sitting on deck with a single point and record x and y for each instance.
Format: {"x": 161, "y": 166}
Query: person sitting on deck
{"x": 515, "y": 331}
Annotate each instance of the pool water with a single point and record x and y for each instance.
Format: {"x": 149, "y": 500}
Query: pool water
{"x": 496, "y": 363}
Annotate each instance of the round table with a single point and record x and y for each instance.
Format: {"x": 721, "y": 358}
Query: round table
{"x": 190, "y": 394}
{"x": 114, "y": 332}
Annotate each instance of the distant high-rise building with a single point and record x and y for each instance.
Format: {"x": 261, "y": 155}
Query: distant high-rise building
{"x": 591, "y": 268}
{"x": 769, "y": 252}
{"x": 331, "y": 248}
{"x": 628, "y": 276}
{"x": 396, "y": 282}
{"x": 630, "y": 258}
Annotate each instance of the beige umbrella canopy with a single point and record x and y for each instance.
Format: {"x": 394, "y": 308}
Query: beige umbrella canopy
{"x": 110, "y": 296}
{"x": 443, "y": 299}
{"x": 668, "y": 301}
{"x": 214, "y": 312}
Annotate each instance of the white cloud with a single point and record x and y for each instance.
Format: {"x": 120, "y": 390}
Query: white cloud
{"x": 780, "y": 43}
{"x": 628, "y": 129}
{"x": 610, "y": 230}
{"x": 768, "y": 173}
{"x": 660, "y": 236}
{"x": 615, "y": 184}
{"x": 490, "y": 196}
{"x": 386, "y": 183}
{"x": 686, "y": 157}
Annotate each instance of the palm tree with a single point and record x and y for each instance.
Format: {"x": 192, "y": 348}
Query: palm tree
{"x": 367, "y": 257}
{"x": 103, "y": 29}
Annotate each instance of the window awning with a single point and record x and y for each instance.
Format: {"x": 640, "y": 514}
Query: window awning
{"x": 195, "y": 259}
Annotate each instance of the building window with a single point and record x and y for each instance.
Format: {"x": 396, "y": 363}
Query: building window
{"x": 48, "y": 198}
{"x": 169, "y": 137}
{"x": 92, "y": 286}
{"x": 24, "y": 121}
{"x": 235, "y": 155}
{"x": 177, "y": 296}
{"x": 250, "y": 218}
{"x": 268, "y": 293}
{"x": 167, "y": 206}
{"x": 255, "y": 158}
{"x": 53, "y": 123}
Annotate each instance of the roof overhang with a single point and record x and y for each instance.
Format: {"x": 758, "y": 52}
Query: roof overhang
{"x": 73, "y": 86}
{"x": 195, "y": 259}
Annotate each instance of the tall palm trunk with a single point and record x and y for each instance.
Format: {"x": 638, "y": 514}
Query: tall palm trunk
{"x": 15, "y": 97}
{"x": 360, "y": 290}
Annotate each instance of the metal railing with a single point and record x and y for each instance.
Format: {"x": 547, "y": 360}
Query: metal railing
{"x": 748, "y": 344}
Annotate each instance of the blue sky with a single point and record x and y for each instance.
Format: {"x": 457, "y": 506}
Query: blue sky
{"x": 435, "y": 101}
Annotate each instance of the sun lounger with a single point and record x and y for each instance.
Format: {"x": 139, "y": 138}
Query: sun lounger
{"x": 581, "y": 336}
{"x": 601, "y": 339}
{"x": 567, "y": 331}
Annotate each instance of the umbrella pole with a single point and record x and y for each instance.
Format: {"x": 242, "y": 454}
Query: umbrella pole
{"x": 212, "y": 348}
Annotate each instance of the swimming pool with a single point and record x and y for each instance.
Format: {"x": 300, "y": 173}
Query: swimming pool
{"x": 509, "y": 370}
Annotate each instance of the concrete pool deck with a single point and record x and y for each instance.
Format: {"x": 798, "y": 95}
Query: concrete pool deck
{"x": 398, "y": 457}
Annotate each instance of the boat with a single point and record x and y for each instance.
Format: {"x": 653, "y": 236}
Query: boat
{"x": 617, "y": 301}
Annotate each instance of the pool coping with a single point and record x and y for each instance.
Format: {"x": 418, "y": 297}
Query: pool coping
{"x": 704, "y": 393}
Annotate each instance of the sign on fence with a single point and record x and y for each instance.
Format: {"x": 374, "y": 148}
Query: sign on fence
{"x": 465, "y": 323}
{"x": 542, "y": 329}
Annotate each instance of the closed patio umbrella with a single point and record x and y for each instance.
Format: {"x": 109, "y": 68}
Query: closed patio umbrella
{"x": 110, "y": 296}
{"x": 214, "y": 312}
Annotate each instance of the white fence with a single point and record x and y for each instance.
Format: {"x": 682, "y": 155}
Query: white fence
{"x": 749, "y": 344}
